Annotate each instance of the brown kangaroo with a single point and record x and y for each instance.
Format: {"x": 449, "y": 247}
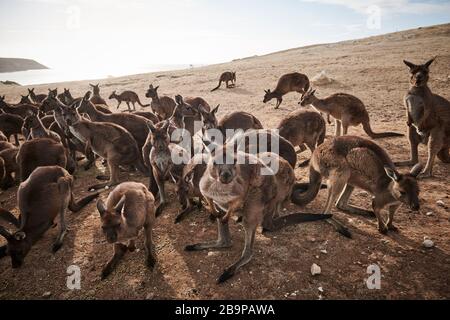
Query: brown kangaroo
{"x": 291, "y": 82}
{"x": 129, "y": 209}
{"x": 147, "y": 115}
{"x": 5, "y": 145}
{"x": 347, "y": 110}
{"x": 8, "y": 166}
{"x": 96, "y": 98}
{"x": 22, "y": 110}
{"x": 227, "y": 77}
{"x": 108, "y": 140}
{"x": 303, "y": 127}
{"x": 348, "y": 162}
{"x": 44, "y": 196}
{"x": 242, "y": 189}
{"x": 42, "y": 152}
{"x": 127, "y": 97}
{"x": 25, "y": 99}
{"x": 162, "y": 160}
{"x": 428, "y": 119}
{"x": 34, "y": 128}
{"x": 11, "y": 125}
{"x": 62, "y": 129}
{"x": 67, "y": 98}
{"x": 134, "y": 124}
{"x": 36, "y": 98}
{"x": 162, "y": 106}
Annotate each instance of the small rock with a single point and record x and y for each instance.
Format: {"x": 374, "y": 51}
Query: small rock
{"x": 429, "y": 214}
{"x": 427, "y": 243}
{"x": 47, "y": 294}
{"x": 323, "y": 251}
{"x": 212, "y": 254}
{"x": 107, "y": 188}
{"x": 441, "y": 204}
{"x": 320, "y": 289}
{"x": 150, "y": 296}
{"x": 315, "y": 269}
{"x": 92, "y": 190}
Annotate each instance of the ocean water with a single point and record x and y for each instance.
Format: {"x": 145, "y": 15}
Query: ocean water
{"x": 35, "y": 77}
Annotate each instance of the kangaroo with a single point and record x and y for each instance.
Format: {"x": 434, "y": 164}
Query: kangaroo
{"x": 42, "y": 152}
{"x": 36, "y": 98}
{"x": 67, "y": 98}
{"x": 303, "y": 127}
{"x": 129, "y": 209}
{"x": 128, "y": 97}
{"x": 244, "y": 190}
{"x": 8, "y": 166}
{"x": 134, "y": 124}
{"x": 233, "y": 121}
{"x": 185, "y": 115}
{"x": 348, "y": 162}
{"x": 198, "y": 103}
{"x": 428, "y": 119}
{"x": 36, "y": 129}
{"x": 291, "y": 82}
{"x": 162, "y": 160}
{"x": 22, "y": 110}
{"x": 148, "y": 115}
{"x": 108, "y": 140}
{"x": 5, "y": 145}
{"x": 188, "y": 185}
{"x": 164, "y": 106}
{"x": 227, "y": 77}
{"x": 347, "y": 110}
{"x": 62, "y": 129}
{"x": 3, "y": 137}
{"x": 44, "y": 196}
{"x": 96, "y": 98}
{"x": 25, "y": 99}
{"x": 11, "y": 125}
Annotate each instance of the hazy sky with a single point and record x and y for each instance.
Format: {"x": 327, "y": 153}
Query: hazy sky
{"x": 145, "y": 32}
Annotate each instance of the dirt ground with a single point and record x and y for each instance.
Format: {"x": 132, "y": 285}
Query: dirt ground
{"x": 371, "y": 69}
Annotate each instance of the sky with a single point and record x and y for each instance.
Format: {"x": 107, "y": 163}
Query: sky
{"x": 105, "y": 33}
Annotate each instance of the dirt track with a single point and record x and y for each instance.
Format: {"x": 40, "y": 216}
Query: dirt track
{"x": 371, "y": 69}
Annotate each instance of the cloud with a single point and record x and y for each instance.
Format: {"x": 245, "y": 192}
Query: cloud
{"x": 391, "y": 6}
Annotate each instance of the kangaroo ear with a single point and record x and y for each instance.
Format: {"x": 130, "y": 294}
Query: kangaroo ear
{"x": 101, "y": 207}
{"x": 215, "y": 109}
{"x": 391, "y": 173}
{"x": 87, "y": 96}
{"x": 166, "y": 125}
{"x": 20, "y": 235}
{"x": 179, "y": 99}
{"x": 91, "y": 85}
{"x": 5, "y": 233}
{"x": 156, "y": 88}
{"x": 119, "y": 206}
{"x": 429, "y": 62}
{"x": 409, "y": 64}
{"x": 416, "y": 170}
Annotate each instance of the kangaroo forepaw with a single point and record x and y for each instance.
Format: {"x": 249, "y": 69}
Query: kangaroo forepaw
{"x": 192, "y": 247}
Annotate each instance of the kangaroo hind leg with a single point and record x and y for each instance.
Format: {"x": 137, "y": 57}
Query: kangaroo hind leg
{"x": 343, "y": 205}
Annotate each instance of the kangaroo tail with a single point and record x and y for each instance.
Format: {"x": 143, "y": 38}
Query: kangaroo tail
{"x": 368, "y": 129}
{"x": 76, "y": 206}
{"x": 304, "y": 163}
{"x": 301, "y": 197}
{"x": 220, "y": 83}
{"x": 9, "y": 217}
{"x": 296, "y": 218}
{"x": 142, "y": 105}
{"x": 444, "y": 155}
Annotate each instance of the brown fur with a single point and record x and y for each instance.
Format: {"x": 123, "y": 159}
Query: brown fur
{"x": 34, "y": 128}
{"x": 96, "y": 98}
{"x": 428, "y": 119}
{"x": 11, "y": 125}
{"x": 108, "y": 140}
{"x": 129, "y": 209}
{"x": 303, "y": 128}
{"x": 8, "y": 166}
{"x": 39, "y": 153}
{"x": 36, "y": 98}
{"x": 291, "y": 82}
{"x": 127, "y": 97}
{"x": 227, "y": 77}
{"x": 22, "y": 110}
{"x": 347, "y": 110}
{"x": 348, "y": 162}
{"x": 44, "y": 196}
{"x": 163, "y": 106}
{"x": 242, "y": 189}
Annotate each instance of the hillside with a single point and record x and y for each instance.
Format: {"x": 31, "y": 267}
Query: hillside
{"x": 371, "y": 69}
{"x": 14, "y": 64}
